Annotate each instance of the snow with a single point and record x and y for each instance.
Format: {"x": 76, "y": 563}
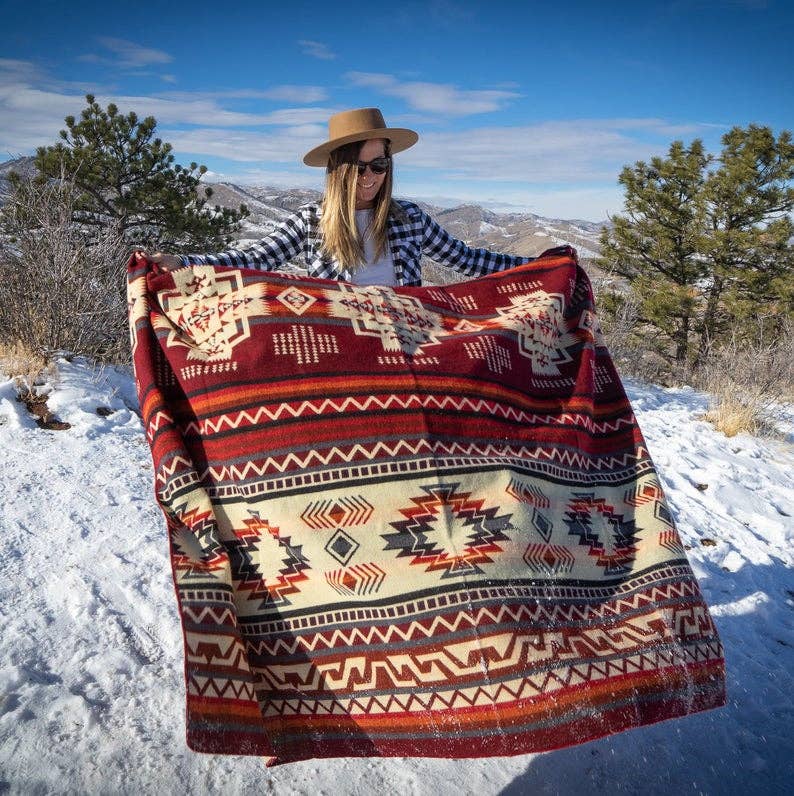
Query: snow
{"x": 91, "y": 688}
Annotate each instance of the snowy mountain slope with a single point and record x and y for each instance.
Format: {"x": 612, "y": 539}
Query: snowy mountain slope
{"x": 91, "y": 689}
{"x": 526, "y": 234}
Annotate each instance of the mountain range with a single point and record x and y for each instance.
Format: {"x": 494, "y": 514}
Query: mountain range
{"x": 518, "y": 233}
{"x": 525, "y": 234}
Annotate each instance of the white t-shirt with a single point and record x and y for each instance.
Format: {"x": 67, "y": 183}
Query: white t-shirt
{"x": 374, "y": 272}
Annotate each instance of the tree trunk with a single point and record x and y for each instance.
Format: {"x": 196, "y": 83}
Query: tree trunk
{"x": 707, "y": 333}
{"x": 682, "y": 344}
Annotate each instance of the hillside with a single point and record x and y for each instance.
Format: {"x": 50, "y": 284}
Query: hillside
{"x": 520, "y": 233}
{"x": 517, "y": 233}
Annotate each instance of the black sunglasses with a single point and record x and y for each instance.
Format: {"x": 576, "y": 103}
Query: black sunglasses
{"x": 377, "y": 166}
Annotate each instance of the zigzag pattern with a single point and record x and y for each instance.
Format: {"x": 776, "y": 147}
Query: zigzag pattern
{"x": 199, "y": 614}
{"x": 386, "y": 450}
{"x": 539, "y": 615}
{"x": 231, "y": 421}
{"x": 545, "y": 683}
{"x": 156, "y": 421}
{"x": 223, "y": 688}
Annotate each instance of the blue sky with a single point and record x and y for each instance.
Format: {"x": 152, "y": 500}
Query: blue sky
{"x": 535, "y": 106}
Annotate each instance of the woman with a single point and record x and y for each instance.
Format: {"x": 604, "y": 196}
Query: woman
{"x": 358, "y": 233}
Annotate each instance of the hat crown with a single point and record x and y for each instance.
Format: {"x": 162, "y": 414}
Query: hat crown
{"x": 361, "y": 124}
{"x": 361, "y": 120}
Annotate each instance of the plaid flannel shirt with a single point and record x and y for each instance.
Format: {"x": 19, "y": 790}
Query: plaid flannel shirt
{"x": 411, "y": 233}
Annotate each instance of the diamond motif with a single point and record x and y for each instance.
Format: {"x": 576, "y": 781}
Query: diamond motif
{"x": 342, "y": 546}
{"x": 542, "y": 525}
{"x": 296, "y": 299}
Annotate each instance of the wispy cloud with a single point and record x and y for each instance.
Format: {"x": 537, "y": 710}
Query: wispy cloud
{"x": 12, "y": 69}
{"x": 299, "y": 177}
{"x": 442, "y": 98}
{"x": 316, "y": 49}
{"x": 283, "y": 145}
{"x": 126, "y": 54}
{"x": 33, "y": 106}
{"x": 296, "y": 94}
{"x": 578, "y": 151}
{"x": 583, "y": 156}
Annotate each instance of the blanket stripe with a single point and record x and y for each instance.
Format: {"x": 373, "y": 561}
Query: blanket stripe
{"x": 410, "y": 521}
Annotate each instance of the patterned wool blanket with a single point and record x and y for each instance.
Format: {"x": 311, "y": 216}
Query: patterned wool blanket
{"x": 410, "y": 521}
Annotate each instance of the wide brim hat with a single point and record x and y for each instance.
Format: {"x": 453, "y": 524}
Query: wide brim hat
{"x": 359, "y": 125}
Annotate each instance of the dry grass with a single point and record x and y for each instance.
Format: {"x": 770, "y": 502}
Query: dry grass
{"x": 732, "y": 417}
{"x": 27, "y": 368}
{"x": 749, "y": 380}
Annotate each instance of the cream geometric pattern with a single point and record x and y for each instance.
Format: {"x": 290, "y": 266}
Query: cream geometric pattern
{"x": 537, "y": 318}
{"x": 137, "y": 307}
{"x": 465, "y": 326}
{"x": 401, "y": 322}
{"x": 209, "y": 311}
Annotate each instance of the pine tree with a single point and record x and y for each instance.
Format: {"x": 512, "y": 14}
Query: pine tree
{"x": 704, "y": 251}
{"x": 656, "y": 245}
{"x": 127, "y": 177}
{"x": 748, "y": 240}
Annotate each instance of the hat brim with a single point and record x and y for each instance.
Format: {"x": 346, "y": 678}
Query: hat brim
{"x": 400, "y": 138}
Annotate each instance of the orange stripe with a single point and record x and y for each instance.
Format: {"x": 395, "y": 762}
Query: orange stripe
{"x": 219, "y": 400}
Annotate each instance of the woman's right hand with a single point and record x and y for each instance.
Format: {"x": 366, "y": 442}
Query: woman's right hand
{"x": 168, "y": 262}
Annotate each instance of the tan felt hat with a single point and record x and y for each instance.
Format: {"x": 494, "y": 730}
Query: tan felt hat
{"x": 359, "y": 125}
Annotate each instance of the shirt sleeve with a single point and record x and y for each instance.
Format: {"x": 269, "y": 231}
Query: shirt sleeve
{"x": 439, "y": 245}
{"x": 280, "y": 246}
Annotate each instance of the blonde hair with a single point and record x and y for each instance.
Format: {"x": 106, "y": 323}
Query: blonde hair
{"x": 341, "y": 240}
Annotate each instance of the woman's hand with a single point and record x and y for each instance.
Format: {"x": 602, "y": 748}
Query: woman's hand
{"x": 168, "y": 262}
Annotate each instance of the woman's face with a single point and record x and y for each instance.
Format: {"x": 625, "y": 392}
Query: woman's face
{"x": 369, "y": 183}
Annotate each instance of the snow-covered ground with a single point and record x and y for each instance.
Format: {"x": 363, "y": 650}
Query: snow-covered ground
{"x": 91, "y": 689}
